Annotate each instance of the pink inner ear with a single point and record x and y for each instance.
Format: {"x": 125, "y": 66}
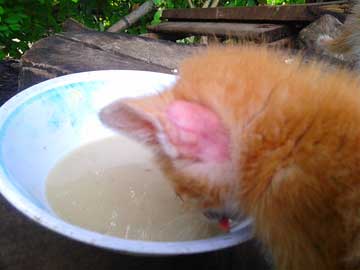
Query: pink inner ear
{"x": 197, "y": 132}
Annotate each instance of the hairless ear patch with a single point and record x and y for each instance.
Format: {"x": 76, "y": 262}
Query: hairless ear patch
{"x": 197, "y": 132}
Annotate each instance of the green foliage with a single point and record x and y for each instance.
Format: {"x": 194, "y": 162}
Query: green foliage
{"x": 283, "y": 2}
{"x": 235, "y": 3}
{"x": 17, "y": 26}
{"x": 23, "y": 22}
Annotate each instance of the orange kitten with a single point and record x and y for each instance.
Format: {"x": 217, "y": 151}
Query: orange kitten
{"x": 244, "y": 131}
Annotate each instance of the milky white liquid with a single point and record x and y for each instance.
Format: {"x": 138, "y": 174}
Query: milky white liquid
{"x": 113, "y": 187}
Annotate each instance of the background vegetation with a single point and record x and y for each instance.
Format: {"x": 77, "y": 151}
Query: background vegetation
{"x": 22, "y": 22}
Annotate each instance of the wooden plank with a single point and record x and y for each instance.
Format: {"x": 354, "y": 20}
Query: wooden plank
{"x": 69, "y": 52}
{"x": 256, "y": 32}
{"x": 72, "y": 25}
{"x": 284, "y": 13}
{"x": 288, "y": 42}
{"x": 9, "y": 70}
{"x": 55, "y": 56}
{"x": 159, "y": 52}
{"x": 162, "y": 36}
{"x": 340, "y": 11}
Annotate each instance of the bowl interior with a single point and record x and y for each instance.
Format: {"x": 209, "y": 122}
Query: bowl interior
{"x": 42, "y": 124}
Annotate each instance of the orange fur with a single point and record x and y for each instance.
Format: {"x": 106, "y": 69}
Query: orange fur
{"x": 295, "y": 150}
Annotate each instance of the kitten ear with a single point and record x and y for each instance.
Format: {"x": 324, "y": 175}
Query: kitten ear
{"x": 140, "y": 118}
{"x": 197, "y": 132}
{"x": 182, "y": 129}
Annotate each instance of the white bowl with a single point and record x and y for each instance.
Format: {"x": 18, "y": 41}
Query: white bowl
{"x": 46, "y": 121}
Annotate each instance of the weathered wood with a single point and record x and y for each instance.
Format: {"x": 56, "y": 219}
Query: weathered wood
{"x": 9, "y": 70}
{"x": 340, "y": 11}
{"x": 133, "y": 17}
{"x": 158, "y": 52}
{"x": 288, "y": 43}
{"x": 29, "y": 76}
{"x": 59, "y": 56}
{"x": 90, "y": 50}
{"x": 164, "y": 36}
{"x": 256, "y": 32}
{"x": 151, "y": 35}
{"x": 72, "y": 25}
{"x": 284, "y": 13}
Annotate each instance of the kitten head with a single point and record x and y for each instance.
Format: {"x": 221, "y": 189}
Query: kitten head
{"x": 191, "y": 143}
{"x": 194, "y": 126}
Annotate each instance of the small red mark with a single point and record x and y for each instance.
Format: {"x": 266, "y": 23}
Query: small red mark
{"x": 224, "y": 224}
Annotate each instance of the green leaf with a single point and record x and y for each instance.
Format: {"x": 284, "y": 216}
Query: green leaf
{"x": 1, "y": 10}
{"x": 236, "y": 3}
{"x": 251, "y": 3}
{"x": 170, "y": 4}
{"x": 142, "y": 29}
{"x": 75, "y": 1}
{"x": 15, "y": 27}
{"x": 157, "y": 17}
{"x": 158, "y": 2}
{"x": 2, "y": 54}
{"x": 23, "y": 46}
{"x": 13, "y": 19}
{"x": 21, "y": 15}
{"x": 4, "y": 28}
{"x": 101, "y": 27}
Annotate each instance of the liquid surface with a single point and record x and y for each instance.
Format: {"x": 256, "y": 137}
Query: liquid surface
{"x": 113, "y": 187}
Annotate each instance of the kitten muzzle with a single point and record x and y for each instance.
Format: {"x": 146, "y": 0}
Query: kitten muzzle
{"x": 224, "y": 222}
